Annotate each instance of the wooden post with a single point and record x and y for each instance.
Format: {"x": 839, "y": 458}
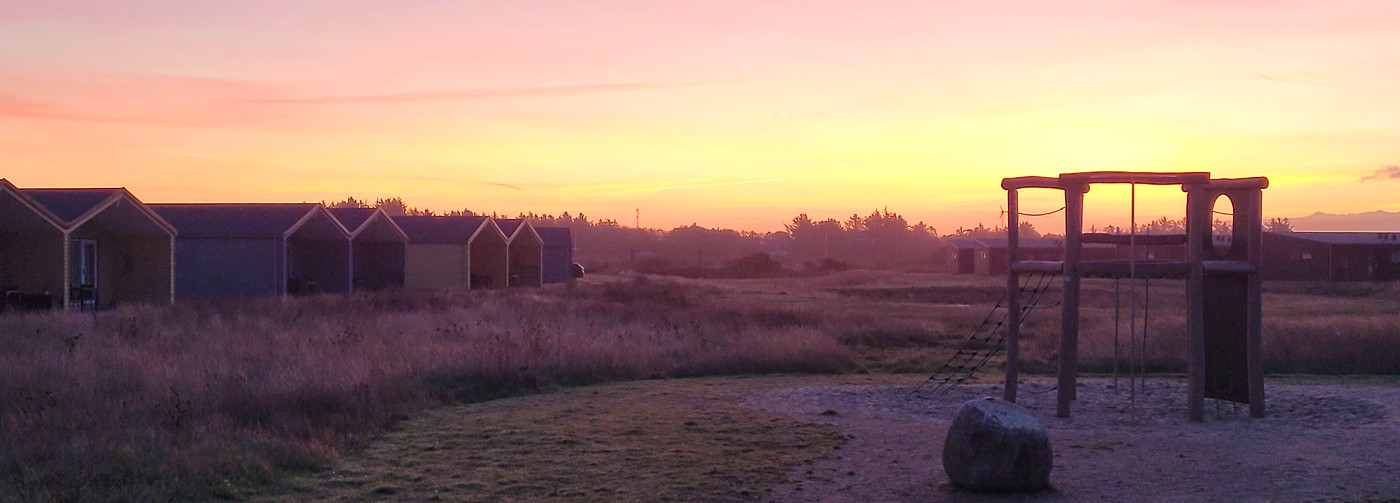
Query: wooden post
{"x": 1254, "y": 313}
{"x": 1069, "y": 313}
{"x": 350, "y": 274}
{"x": 1013, "y": 297}
{"x": 1198, "y": 237}
{"x": 66, "y": 284}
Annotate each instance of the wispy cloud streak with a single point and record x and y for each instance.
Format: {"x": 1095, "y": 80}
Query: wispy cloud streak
{"x": 1386, "y": 173}
{"x": 469, "y": 94}
{"x": 659, "y": 188}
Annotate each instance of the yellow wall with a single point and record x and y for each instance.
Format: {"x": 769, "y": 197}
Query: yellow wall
{"x": 525, "y": 258}
{"x": 436, "y": 266}
{"x": 489, "y": 259}
{"x": 130, "y": 268}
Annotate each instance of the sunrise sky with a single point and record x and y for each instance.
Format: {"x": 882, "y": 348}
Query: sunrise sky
{"x": 719, "y": 112}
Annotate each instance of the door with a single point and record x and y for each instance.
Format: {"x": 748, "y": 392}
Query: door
{"x": 82, "y": 281}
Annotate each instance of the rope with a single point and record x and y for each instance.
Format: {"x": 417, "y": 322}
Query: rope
{"x": 1117, "y": 325}
{"x": 1046, "y": 214}
{"x": 1146, "y": 311}
{"x": 965, "y": 362}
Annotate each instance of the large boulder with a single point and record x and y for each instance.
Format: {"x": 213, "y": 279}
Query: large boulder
{"x": 997, "y": 446}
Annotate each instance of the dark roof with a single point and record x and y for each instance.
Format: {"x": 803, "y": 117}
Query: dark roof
{"x": 556, "y": 237}
{"x": 39, "y": 210}
{"x": 1037, "y": 243}
{"x": 243, "y": 220}
{"x": 1346, "y": 238}
{"x": 439, "y": 230}
{"x": 69, "y": 204}
{"x": 509, "y": 225}
{"x": 965, "y": 244}
{"x": 352, "y": 218}
{"x": 1024, "y": 242}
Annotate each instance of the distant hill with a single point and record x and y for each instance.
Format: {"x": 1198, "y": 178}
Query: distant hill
{"x": 1373, "y": 221}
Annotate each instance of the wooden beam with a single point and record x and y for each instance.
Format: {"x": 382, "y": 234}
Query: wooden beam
{"x": 1042, "y": 266}
{"x": 1229, "y": 267}
{"x": 1141, "y": 178}
{"x": 1124, "y": 269}
{"x": 1142, "y": 239}
{"x": 1253, "y": 221}
{"x": 1252, "y": 183}
{"x": 1031, "y": 182}
{"x": 1069, "y": 314}
{"x": 1198, "y": 232}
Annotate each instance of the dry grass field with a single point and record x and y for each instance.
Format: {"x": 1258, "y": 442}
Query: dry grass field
{"x": 351, "y": 397}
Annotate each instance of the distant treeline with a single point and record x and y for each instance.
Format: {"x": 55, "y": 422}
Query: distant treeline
{"x": 882, "y": 240}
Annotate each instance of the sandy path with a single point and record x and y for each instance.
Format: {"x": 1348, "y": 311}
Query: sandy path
{"x": 1317, "y": 442}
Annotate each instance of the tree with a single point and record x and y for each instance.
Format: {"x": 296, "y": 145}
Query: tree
{"x": 395, "y": 206}
{"x": 1222, "y": 227}
{"x": 1164, "y": 225}
{"x": 348, "y": 202}
{"x": 1278, "y": 225}
{"x": 981, "y": 231}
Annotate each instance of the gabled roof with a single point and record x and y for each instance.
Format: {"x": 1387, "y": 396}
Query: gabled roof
{"x": 359, "y": 221}
{"x": 441, "y": 230}
{"x": 238, "y": 220}
{"x": 556, "y": 237}
{"x": 74, "y": 207}
{"x": 963, "y": 244}
{"x": 29, "y": 205}
{"x": 69, "y": 204}
{"x": 514, "y": 227}
{"x": 509, "y": 225}
{"x": 352, "y": 218}
{"x": 1346, "y": 238}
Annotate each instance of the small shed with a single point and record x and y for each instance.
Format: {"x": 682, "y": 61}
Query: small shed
{"x": 114, "y": 248}
{"x": 1331, "y": 256}
{"x": 377, "y": 247}
{"x": 526, "y": 252}
{"x": 252, "y": 249}
{"x": 958, "y": 256}
{"x": 467, "y": 252}
{"x": 558, "y": 255}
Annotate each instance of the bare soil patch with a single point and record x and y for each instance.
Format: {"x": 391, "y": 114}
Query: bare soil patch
{"x": 859, "y": 438}
{"x": 1320, "y": 441}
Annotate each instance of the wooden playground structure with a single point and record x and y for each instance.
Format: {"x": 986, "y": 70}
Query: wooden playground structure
{"x": 1223, "y": 290}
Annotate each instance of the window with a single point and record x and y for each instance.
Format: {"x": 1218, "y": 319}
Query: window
{"x": 1395, "y": 257}
{"x": 1306, "y": 256}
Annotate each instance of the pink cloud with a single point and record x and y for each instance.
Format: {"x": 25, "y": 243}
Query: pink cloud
{"x": 468, "y": 94}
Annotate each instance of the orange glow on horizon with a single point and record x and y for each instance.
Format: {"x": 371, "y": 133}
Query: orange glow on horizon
{"x": 723, "y": 114}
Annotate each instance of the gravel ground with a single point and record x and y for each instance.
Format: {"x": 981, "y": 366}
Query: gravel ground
{"x": 1318, "y": 442}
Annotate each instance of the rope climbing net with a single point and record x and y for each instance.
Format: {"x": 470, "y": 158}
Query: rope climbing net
{"x": 987, "y": 339}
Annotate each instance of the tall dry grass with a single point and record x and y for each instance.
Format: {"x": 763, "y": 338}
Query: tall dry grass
{"x": 197, "y": 401}
{"x": 1309, "y": 328}
{"x": 200, "y": 401}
